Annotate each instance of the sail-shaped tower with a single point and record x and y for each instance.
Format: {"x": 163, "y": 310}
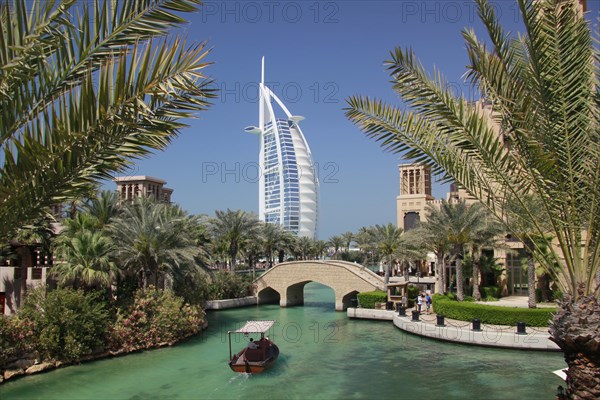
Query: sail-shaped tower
{"x": 288, "y": 185}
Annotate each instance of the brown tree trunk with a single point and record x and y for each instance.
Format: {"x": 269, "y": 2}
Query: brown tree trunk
{"x": 444, "y": 276}
{"x": 476, "y": 293}
{"x": 439, "y": 273}
{"x": 576, "y": 330}
{"x": 531, "y": 281}
{"x": 460, "y": 293}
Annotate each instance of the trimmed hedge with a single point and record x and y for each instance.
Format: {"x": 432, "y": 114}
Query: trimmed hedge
{"x": 497, "y": 315}
{"x": 368, "y": 299}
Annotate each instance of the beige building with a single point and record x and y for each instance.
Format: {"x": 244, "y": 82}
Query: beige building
{"x": 27, "y": 266}
{"x": 130, "y": 187}
{"x": 415, "y": 195}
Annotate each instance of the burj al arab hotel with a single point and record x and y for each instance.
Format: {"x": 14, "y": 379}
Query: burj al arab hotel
{"x": 288, "y": 185}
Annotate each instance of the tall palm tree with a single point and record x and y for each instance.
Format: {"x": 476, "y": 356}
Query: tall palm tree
{"x": 86, "y": 88}
{"x": 234, "y": 227}
{"x": 103, "y": 207}
{"x": 320, "y": 247}
{"x": 543, "y": 92}
{"x": 86, "y": 259}
{"x": 337, "y": 242}
{"x": 530, "y": 239}
{"x": 275, "y": 238}
{"x": 154, "y": 239}
{"x": 388, "y": 239}
{"x": 461, "y": 224}
{"x": 305, "y": 247}
{"x": 348, "y": 237}
{"x": 434, "y": 237}
{"x": 487, "y": 234}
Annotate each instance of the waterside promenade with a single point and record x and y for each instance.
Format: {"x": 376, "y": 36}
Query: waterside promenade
{"x": 534, "y": 338}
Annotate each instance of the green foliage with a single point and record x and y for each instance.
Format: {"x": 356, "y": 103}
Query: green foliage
{"x": 67, "y": 324}
{"x": 467, "y": 311}
{"x": 109, "y": 86}
{"x": 156, "y": 317}
{"x": 368, "y": 299}
{"x": 16, "y": 338}
{"x": 226, "y": 285}
{"x": 488, "y": 292}
{"x": 194, "y": 288}
{"x": 553, "y": 295}
{"x": 353, "y": 256}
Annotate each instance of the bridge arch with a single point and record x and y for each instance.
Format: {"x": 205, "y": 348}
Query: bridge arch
{"x": 288, "y": 280}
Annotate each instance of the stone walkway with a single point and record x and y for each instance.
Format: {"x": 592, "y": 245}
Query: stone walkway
{"x": 535, "y": 338}
{"x": 515, "y": 301}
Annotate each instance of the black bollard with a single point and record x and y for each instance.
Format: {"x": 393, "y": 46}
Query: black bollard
{"x": 521, "y": 328}
{"x": 440, "y": 320}
{"x": 389, "y": 305}
{"x": 415, "y": 315}
{"x": 401, "y": 310}
{"x": 476, "y": 325}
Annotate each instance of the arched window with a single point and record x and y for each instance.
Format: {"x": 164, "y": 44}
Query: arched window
{"x": 411, "y": 220}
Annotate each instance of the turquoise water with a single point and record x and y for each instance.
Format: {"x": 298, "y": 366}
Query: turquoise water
{"x": 324, "y": 355}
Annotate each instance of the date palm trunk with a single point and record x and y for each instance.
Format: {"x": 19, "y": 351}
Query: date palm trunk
{"x": 476, "y": 275}
{"x": 439, "y": 274}
{"x": 576, "y": 330}
{"x": 531, "y": 281}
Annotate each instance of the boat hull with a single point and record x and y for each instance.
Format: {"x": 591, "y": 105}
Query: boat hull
{"x": 241, "y": 364}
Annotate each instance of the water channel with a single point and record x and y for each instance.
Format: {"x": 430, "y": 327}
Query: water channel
{"x": 324, "y": 355}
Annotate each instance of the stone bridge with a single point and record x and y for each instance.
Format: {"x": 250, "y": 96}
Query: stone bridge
{"x": 285, "y": 282}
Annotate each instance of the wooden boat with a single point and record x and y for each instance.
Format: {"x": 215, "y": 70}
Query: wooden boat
{"x": 254, "y": 361}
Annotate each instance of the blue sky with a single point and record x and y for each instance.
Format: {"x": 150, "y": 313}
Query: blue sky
{"x": 317, "y": 54}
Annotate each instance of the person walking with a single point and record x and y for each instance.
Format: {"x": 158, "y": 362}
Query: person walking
{"x": 428, "y": 303}
{"x": 419, "y": 302}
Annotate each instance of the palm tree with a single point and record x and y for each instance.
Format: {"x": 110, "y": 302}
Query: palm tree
{"x": 305, "y": 247}
{"x": 86, "y": 88}
{"x": 87, "y": 258}
{"x": 320, "y": 247}
{"x": 460, "y": 223}
{"x": 543, "y": 94}
{"x": 234, "y": 227}
{"x": 434, "y": 237}
{"x": 102, "y": 207}
{"x": 486, "y": 235}
{"x": 522, "y": 230}
{"x": 275, "y": 238}
{"x": 337, "y": 242}
{"x": 388, "y": 239}
{"x": 154, "y": 239}
{"x": 347, "y": 237}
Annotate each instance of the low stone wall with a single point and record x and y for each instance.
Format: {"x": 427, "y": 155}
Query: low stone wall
{"x": 490, "y": 335}
{"x": 230, "y": 303}
{"x": 369, "y": 313}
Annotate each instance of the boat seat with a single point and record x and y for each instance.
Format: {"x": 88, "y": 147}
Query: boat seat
{"x": 255, "y": 354}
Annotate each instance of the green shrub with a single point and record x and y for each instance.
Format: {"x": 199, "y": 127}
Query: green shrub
{"x": 156, "y": 317}
{"x": 488, "y": 292}
{"x": 225, "y": 285}
{"x": 467, "y": 311}
{"x": 16, "y": 338}
{"x": 67, "y": 324}
{"x": 368, "y": 299}
{"x": 412, "y": 293}
{"x": 553, "y": 295}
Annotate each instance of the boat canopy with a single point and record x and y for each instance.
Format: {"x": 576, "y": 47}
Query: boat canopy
{"x": 255, "y": 327}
